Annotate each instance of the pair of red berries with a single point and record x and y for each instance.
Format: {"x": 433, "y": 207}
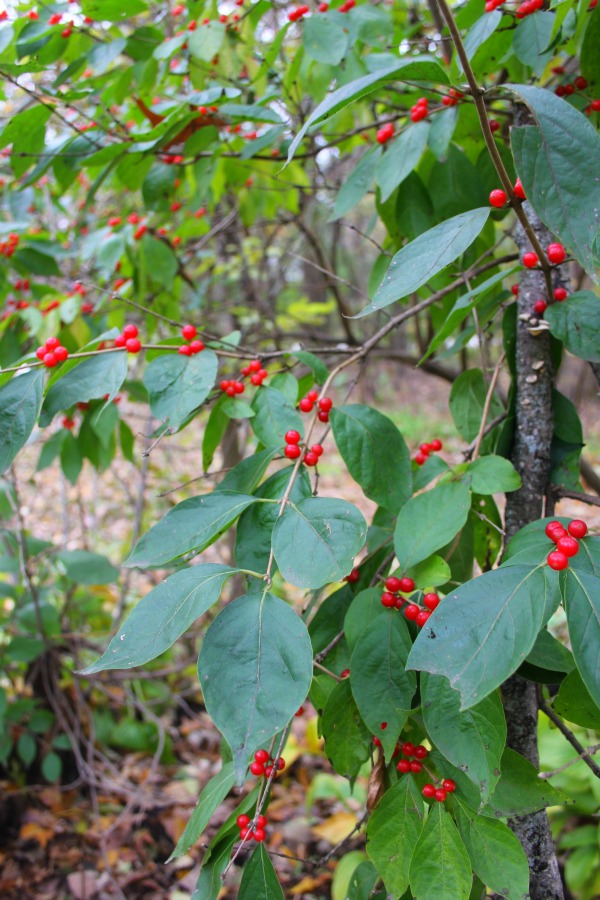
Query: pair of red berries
{"x": 556, "y": 254}
{"x": 426, "y": 449}
{"x": 528, "y": 8}
{"x": 452, "y": 98}
{"x": 264, "y": 765}
{"x": 419, "y": 616}
{"x": 498, "y": 197}
{"x": 540, "y": 306}
{"x": 129, "y": 339}
{"x": 385, "y": 133}
{"x": 566, "y": 542}
{"x": 432, "y": 793}
{"x": 51, "y": 353}
{"x": 298, "y": 13}
{"x": 325, "y": 404}
{"x": 188, "y": 333}
{"x": 420, "y": 110}
{"x": 257, "y": 832}
{"x": 293, "y": 451}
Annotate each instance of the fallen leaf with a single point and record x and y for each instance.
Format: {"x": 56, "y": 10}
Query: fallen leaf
{"x": 32, "y": 831}
{"x": 336, "y": 827}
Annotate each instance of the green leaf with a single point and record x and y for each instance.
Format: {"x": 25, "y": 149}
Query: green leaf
{"x": 347, "y": 738}
{"x": 493, "y": 475}
{"x": 467, "y": 402}
{"x": 206, "y": 41}
{"x": 479, "y": 32}
{"x": 325, "y": 39}
{"x": 245, "y": 476}
{"x": 575, "y": 703}
{"x": 112, "y": 10}
{"x": 84, "y": 567}
{"x": 163, "y": 615}
{"x": 532, "y": 38}
{"x": 417, "y": 262}
{"x": 441, "y": 131}
{"x": 267, "y": 651}
{"x": 401, "y": 157}
{"x": 210, "y": 883}
{"x": 558, "y": 160}
{"x": 255, "y": 528}
{"x": 495, "y": 852}
{"x": 36, "y": 262}
{"x": 440, "y": 866}
{"x": 393, "y": 831}
{"x": 356, "y": 185}
{"x": 481, "y": 632}
{"x": 382, "y": 689}
{"x": 26, "y": 749}
{"x": 365, "y": 608}
{"x": 582, "y": 599}
{"x": 160, "y": 262}
{"x": 188, "y": 528}
{"x": 275, "y": 415}
{"x": 177, "y": 385}
{"x": 589, "y": 61}
{"x": 51, "y": 766}
{"x": 576, "y": 323}
{"x": 316, "y": 540}
{"x": 259, "y": 878}
{"x": 88, "y": 379}
{"x": 430, "y": 521}
{"x": 20, "y": 401}
{"x": 314, "y": 363}
{"x": 430, "y": 573}
{"x": 212, "y": 795}
{"x": 214, "y": 431}
{"x": 472, "y": 740}
{"x": 375, "y": 453}
{"x": 519, "y": 790}
{"x": 420, "y": 68}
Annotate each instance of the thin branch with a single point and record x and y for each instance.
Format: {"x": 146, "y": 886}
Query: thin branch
{"x": 486, "y": 406}
{"x": 568, "y": 734}
{"x": 591, "y": 751}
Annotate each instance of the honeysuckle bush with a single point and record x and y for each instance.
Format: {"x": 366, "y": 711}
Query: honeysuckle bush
{"x": 167, "y": 166}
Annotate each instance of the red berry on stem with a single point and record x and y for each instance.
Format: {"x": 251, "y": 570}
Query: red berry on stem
{"x": 388, "y": 599}
{"x": 406, "y": 585}
{"x": 185, "y": 350}
{"x": 305, "y": 405}
{"x": 52, "y": 343}
{"x": 257, "y": 768}
{"x": 133, "y": 345}
{"x": 540, "y": 306}
{"x": 411, "y": 612}
{"x": 261, "y": 821}
{"x": 530, "y": 260}
{"x": 551, "y": 527}
{"x": 41, "y": 352}
{"x": 196, "y": 346}
{"x": 345, "y": 673}
{"x": 408, "y": 749}
{"x": 518, "y": 189}
{"x": 403, "y": 766}
{"x": 189, "y": 332}
{"x": 557, "y": 560}
{"x": 440, "y": 795}
{"x": 130, "y": 331}
{"x": 353, "y": 577}
{"x": 50, "y": 360}
{"x": 449, "y": 785}
{"x": 422, "y": 617}
{"x": 436, "y": 445}
{"x": 416, "y": 766}
{"x": 556, "y": 253}
{"x": 498, "y": 198}
{"x": 323, "y": 415}
{"x": 311, "y": 458}
{"x": 292, "y": 437}
{"x": 259, "y": 834}
{"x": 242, "y": 821}
{"x": 560, "y": 294}
{"x": 292, "y": 451}
{"x": 244, "y": 833}
{"x": 428, "y": 791}
{"x": 420, "y": 458}
{"x": 577, "y": 528}
{"x": 318, "y": 449}
{"x": 431, "y": 601}
{"x": 392, "y": 584}
{"x": 421, "y": 751}
{"x": 568, "y": 545}
{"x": 325, "y": 404}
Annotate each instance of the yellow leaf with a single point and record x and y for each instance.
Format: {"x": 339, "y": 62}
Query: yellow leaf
{"x": 336, "y": 827}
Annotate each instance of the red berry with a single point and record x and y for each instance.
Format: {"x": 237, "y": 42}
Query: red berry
{"x": 50, "y": 360}
{"x": 196, "y": 347}
{"x": 311, "y": 458}
{"x": 261, "y": 756}
{"x": 281, "y": 763}
{"x": 420, "y": 458}
{"x": 325, "y": 404}
{"x": 568, "y": 545}
{"x": 406, "y": 585}
{"x": 425, "y": 449}
{"x": 299, "y": 712}
{"x": 403, "y": 766}
{"x": 239, "y": 387}
{"x": 408, "y": 749}
{"x": 52, "y": 343}
{"x": 385, "y": 133}
{"x": 257, "y": 768}
{"x": 428, "y": 791}
{"x": 436, "y": 445}
{"x": 189, "y": 332}
{"x": 530, "y": 260}
{"x": 292, "y": 451}
{"x": 449, "y": 785}
{"x": 133, "y": 345}
{"x": 494, "y": 124}
{"x": 268, "y": 771}
{"x": 244, "y": 833}
{"x": 292, "y": 437}
{"x": 323, "y": 415}
{"x": 557, "y": 560}
{"x": 388, "y": 599}
{"x": 440, "y": 795}
{"x": 254, "y": 365}
{"x": 256, "y": 379}
{"x": 580, "y": 83}
{"x": 242, "y": 821}
{"x": 431, "y": 601}
{"x": 261, "y": 821}
{"x": 120, "y": 340}
{"x": 421, "y": 751}
{"x": 515, "y": 289}
{"x": 345, "y": 673}
{"x": 498, "y": 198}
{"x": 422, "y": 617}
{"x": 353, "y": 577}
{"x": 317, "y": 449}
{"x": 556, "y": 253}
{"x": 518, "y": 189}
{"x": 392, "y": 584}
{"x": 68, "y": 422}
{"x": 595, "y": 104}
{"x": 416, "y": 766}
{"x": 399, "y": 602}
{"x": 560, "y": 294}
{"x": 540, "y": 307}
{"x": 306, "y": 405}
{"x": 61, "y": 353}
{"x": 130, "y": 331}
{"x": 577, "y": 528}
{"x": 41, "y": 352}
{"x": 185, "y": 350}
{"x": 376, "y": 741}
{"x": 411, "y": 612}
{"x": 553, "y": 526}
{"x": 259, "y": 834}
{"x": 312, "y": 395}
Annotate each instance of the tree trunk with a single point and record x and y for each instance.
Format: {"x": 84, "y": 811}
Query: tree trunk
{"x": 531, "y": 458}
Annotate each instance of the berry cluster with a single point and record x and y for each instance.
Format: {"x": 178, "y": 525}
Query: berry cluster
{"x": 292, "y": 449}
{"x": 385, "y": 133}
{"x": 129, "y": 339}
{"x": 566, "y": 542}
{"x": 265, "y": 765}
{"x": 52, "y": 352}
{"x": 426, "y": 449}
{"x": 8, "y": 247}
{"x": 257, "y": 374}
{"x": 556, "y": 254}
{"x": 420, "y": 110}
{"x": 491, "y": 5}
{"x": 411, "y": 765}
{"x": 431, "y": 792}
{"x": 298, "y": 13}
{"x": 195, "y": 346}
{"x": 528, "y": 8}
{"x": 257, "y": 832}
{"x": 412, "y": 611}
{"x": 452, "y": 97}
{"x": 307, "y": 403}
